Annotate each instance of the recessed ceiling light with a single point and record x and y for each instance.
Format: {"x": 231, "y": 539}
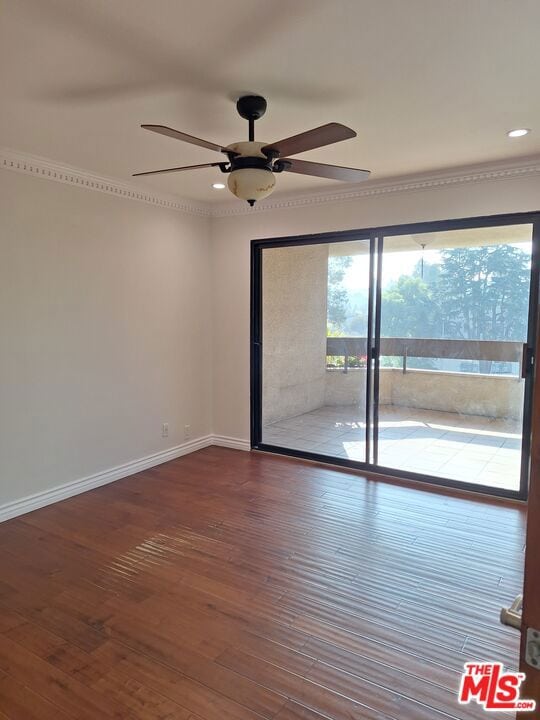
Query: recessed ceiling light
{"x": 518, "y": 132}
{"x": 218, "y": 186}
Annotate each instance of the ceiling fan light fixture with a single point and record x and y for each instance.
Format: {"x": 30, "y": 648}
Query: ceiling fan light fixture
{"x": 251, "y": 184}
{"x": 251, "y": 165}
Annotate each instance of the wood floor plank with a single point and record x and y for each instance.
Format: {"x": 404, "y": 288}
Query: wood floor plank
{"x": 18, "y": 702}
{"x": 194, "y": 696}
{"x": 55, "y": 686}
{"x": 241, "y": 586}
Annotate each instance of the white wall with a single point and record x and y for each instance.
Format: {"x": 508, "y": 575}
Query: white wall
{"x": 231, "y": 236}
{"x": 104, "y": 331}
{"x": 116, "y": 316}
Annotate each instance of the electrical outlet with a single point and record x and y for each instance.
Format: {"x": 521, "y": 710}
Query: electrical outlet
{"x": 165, "y": 430}
{"x": 187, "y": 432}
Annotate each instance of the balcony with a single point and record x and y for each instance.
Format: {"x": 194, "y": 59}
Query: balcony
{"x": 445, "y": 423}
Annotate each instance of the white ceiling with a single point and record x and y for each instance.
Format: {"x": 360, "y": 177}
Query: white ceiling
{"x": 427, "y": 84}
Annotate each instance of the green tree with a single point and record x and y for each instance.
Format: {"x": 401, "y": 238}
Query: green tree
{"x": 428, "y": 272}
{"x": 358, "y": 324}
{"x": 408, "y": 310}
{"x": 483, "y": 292}
{"x": 338, "y": 298}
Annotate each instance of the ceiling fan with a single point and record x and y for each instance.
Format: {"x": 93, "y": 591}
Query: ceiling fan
{"x": 251, "y": 165}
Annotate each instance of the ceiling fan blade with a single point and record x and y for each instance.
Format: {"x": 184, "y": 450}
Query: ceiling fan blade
{"x": 177, "y": 169}
{"x": 177, "y": 135}
{"x": 316, "y": 138}
{"x": 334, "y": 172}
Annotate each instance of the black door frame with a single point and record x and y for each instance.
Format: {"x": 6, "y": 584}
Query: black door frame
{"x": 376, "y": 235}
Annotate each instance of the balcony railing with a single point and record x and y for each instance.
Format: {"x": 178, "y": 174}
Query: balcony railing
{"x": 481, "y": 350}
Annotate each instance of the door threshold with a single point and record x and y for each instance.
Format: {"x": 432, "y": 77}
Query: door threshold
{"x": 401, "y": 479}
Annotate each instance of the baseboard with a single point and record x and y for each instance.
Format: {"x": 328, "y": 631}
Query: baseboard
{"x": 61, "y": 492}
{"x": 231, "y": 442}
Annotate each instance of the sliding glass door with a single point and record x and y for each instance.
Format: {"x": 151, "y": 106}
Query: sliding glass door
{"x": 453, "y": 343}
{"x": 314, "y": 379}
{"x": 405, "y": 351}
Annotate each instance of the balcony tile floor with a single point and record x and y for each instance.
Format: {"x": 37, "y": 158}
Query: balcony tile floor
{"x": 468, "y": 448}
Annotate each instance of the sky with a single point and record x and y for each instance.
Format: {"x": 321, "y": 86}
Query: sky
{"x": 395, "y": 264}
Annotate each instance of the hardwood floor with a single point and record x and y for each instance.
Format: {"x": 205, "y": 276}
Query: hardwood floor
{"x": 230, "y": 586}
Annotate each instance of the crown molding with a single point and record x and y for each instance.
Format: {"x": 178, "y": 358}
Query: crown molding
{"x": 50, "y": 170}
{"x": 518, "y": 168}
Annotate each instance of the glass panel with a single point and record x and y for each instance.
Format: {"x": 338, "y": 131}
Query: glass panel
{"x": 315, "y": 311}
{"x": 454, "y": 314}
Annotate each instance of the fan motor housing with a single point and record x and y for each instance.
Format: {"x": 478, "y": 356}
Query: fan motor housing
{"x": 250, "y": 155}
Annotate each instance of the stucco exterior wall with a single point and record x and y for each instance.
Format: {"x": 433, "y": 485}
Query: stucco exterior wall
{"x": 294, "y": 330}
{"x": 467, "y": 394}
{"x": 346, "y": 388}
